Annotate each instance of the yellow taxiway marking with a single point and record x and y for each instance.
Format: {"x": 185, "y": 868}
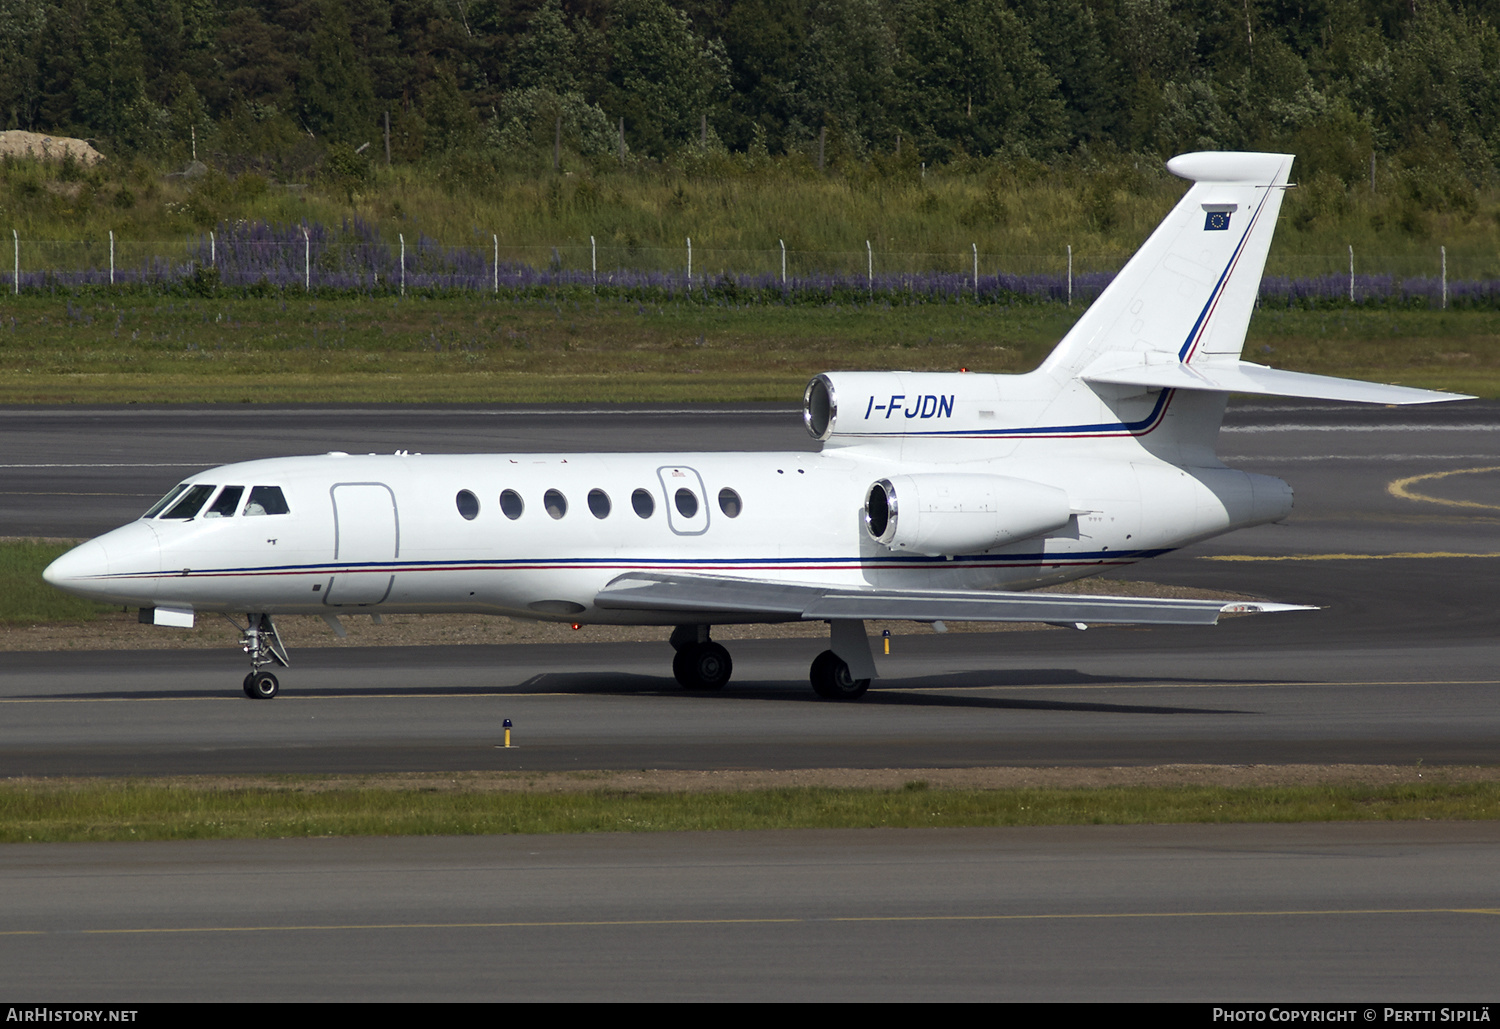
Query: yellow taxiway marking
{"x": 666, "y": 922}
{"x": 1402, "y": 488}
{"x": 1408, "y": 554}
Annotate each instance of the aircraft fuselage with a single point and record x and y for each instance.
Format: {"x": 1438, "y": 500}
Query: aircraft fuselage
{"x": 538, "y": 535}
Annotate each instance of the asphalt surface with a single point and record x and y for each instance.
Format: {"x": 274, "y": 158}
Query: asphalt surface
{"x": 1369, "y": 914}
{"x": 1399, "y": 666}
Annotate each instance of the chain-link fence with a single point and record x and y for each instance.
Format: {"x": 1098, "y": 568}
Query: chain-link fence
{"x": 313, "y": 257}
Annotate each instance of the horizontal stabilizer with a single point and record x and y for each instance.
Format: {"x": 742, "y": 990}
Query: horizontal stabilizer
{"x": 711, "y": 597}
{"x": 1244, "y": 377}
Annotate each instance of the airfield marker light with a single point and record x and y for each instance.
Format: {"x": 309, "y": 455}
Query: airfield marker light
{"x": 886, "y": 635}
{"x": 575, "y": 626}
{"x": 507, "y": 734}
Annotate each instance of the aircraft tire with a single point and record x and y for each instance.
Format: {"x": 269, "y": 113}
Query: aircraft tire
{"x": 832, "y": 680}
{"x": 262, "y": 686}
{"x": 703, "y": 666}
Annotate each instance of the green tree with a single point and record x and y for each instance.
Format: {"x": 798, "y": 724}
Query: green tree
{"x": 664, "y": 78}
{"x": 336, "y": 97}
{"x": 973, "y": 83}
{"x": 21, "y": 29}
{"x": 846, "y": 75}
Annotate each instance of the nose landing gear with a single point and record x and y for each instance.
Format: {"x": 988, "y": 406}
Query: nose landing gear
{"x": 261, "y": 686}
{"x": 259, "y": 639}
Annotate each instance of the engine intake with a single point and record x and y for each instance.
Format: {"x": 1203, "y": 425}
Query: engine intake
{"x": 940, "y": 514}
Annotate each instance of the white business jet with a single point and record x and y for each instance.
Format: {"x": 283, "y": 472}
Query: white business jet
{"x": 935, "y": 496}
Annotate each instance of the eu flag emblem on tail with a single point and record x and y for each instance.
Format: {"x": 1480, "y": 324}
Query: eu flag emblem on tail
{"x": 1216, "y": 221}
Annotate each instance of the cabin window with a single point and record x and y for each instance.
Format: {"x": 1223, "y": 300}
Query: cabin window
{"x": 599, "y": 503}
{"x": 555, "y": 503}
{"x": 191, "y": 501}
{"x": 511, "y": 504}
{"x": 157, "y": 507}
{"x": 226, "y": 503}
{"x": 468, "y": 505}
{"x": 729, "y": 502}
{"x": 643, "y": 502}
{"x": 266, "y": 500}
{"x": 687, "y": 503}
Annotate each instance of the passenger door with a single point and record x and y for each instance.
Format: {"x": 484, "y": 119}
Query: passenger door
{"x": 366, "y": 538}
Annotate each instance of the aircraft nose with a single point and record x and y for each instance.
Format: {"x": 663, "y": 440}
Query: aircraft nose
{"x": 119, "y": 567}
{"x": 84, "y": 564}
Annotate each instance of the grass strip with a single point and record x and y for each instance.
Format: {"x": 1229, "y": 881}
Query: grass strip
{"x": 143, "y": 810}
{"x": 476, "y": 349}
{"x": 25, "y": 598}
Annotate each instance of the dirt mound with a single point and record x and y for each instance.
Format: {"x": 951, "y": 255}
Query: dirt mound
{"x": 20, "y": 143}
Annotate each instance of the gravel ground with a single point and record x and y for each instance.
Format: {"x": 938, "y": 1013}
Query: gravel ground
{"x": 649, "y": 780}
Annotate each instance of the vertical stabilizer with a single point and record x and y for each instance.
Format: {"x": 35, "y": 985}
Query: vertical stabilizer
{"x": 1188, "y": 293}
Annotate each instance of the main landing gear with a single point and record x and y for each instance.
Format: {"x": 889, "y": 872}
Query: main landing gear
{"x": 700, "y": 663}
{"x": 842, "y": 673}
{"x": 832, "y": 679}
{"x": 258, "y": 638}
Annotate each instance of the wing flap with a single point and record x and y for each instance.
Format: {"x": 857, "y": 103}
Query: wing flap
{"x": 758, "y": 600}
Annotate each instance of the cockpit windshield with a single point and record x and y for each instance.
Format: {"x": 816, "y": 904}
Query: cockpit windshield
{"x": 192, "y": 499}
{"x": 172, "y": 495}
{"x": 266, "y": 500}
{"x": 187, "y": 499}
{"x": 226, "y": 503}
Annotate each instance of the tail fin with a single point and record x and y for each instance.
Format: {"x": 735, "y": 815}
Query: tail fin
{"x": 1188, "y": 293}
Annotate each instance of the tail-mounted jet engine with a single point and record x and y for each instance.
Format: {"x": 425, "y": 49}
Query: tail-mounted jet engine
{"x": 961, "y": 514}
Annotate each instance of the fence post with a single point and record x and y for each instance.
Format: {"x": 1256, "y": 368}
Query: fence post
{"x": 402, "y": 236}
{"x": 306, "y": 261}
{"x": 783, "y": 260}
{"x": 14, "y": 236}
{"x": 622, "y": 140}
{"x": 111, "y": 257}
{"x": 496, "y": 237}
{"x": 594, "y": 261}
{"x": 1351, "y": 273}
{"x": 1444, "y": 251}
{"x": 870, "y": 268}
{"x": 1070, "y": 274}
{"x": 976, "y": 271}
{"x": 213, "y": 249}
{"x": 690, "y": 264}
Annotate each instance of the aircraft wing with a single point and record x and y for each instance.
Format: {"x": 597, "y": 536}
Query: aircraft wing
{"x": 704, "y": 598}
